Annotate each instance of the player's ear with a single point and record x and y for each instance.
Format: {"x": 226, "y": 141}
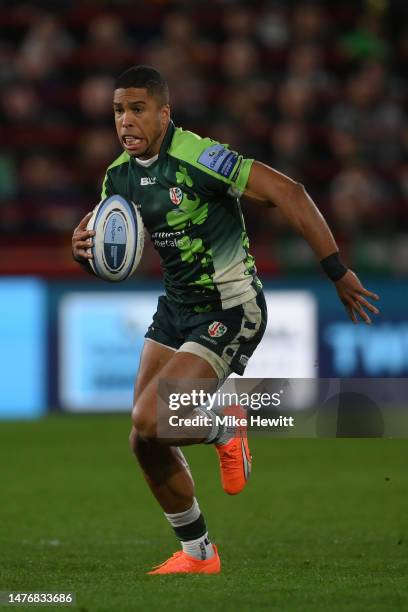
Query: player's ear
{"x": 165, "y": 115}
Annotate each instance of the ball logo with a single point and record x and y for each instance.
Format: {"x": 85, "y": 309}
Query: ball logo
{"x": 119, "y": 238}
{"x": 217, "y": 329}
{"x": 176, "y": 195}
{"x": 115, "y": 240}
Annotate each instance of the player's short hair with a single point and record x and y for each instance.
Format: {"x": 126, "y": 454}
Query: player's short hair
{"x": 145, "y": 77}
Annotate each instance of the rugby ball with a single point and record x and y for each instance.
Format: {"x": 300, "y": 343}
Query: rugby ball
{"x": 119, "y": 239}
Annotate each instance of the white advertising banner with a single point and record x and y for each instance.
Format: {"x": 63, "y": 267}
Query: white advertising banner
{"x": 101, "y": 337}
{"x": 289, "y": 346}
{"x": 100, "y": 341}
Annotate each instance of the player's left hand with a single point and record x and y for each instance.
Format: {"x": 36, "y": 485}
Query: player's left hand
{"x": 353, "y": 295}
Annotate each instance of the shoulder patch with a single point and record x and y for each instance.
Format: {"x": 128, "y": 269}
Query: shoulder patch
{"x": 218, "y": 159}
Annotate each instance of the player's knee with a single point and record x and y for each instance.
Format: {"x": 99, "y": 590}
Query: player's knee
{"x": 134, "y": 441}
{"x": 144, "y": 424}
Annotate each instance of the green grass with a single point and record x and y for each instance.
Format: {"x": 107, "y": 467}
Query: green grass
{"x": 322, "y": 525}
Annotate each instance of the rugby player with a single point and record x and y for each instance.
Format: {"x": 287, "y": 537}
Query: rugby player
{"x": 213, "y": 313}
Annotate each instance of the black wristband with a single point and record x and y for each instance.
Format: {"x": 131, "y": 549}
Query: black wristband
{"x": 334, "y": 267}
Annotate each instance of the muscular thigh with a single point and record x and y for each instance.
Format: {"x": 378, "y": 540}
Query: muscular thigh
{"x": 186, "y": 368}
{"x": 153, "y": 359}
{"x": 177, "y": 366}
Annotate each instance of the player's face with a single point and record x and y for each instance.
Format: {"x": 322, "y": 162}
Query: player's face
{"x": 141, "y": 121}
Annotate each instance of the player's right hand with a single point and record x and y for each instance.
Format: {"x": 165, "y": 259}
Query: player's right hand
{"x": 82, "y": 240}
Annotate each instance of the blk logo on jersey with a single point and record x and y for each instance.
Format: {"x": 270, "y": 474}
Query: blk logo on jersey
{"x": 217, "y": 329}
{"x": 147, "y": 180}
{"x": 176, "y": 195}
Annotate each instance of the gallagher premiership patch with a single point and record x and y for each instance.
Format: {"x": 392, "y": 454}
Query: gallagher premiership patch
{"x": 218, "y": 159}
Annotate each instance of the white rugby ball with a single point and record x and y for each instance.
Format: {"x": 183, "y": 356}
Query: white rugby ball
{"x": 119, "y": 238}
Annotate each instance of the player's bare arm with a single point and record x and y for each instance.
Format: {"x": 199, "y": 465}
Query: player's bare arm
{"x": 271, "y": 187}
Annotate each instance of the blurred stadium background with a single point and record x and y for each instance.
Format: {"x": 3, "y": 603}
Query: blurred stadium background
{"x": 316, "y": 89}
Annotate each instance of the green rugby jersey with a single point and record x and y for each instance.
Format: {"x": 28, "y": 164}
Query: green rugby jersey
{"x": 189, "y": 202}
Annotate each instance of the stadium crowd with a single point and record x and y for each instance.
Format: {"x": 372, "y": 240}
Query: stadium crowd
{"x": 315, "y": 89}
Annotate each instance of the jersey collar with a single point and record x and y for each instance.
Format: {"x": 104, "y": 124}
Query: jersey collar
{"x": 167, "y": 139}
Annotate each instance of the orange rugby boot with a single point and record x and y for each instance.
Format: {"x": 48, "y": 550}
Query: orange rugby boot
{"x": 182, "y": 563}
{"x": 235, "y": 458}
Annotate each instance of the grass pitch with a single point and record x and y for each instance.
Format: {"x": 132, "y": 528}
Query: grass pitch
{"x": 321, "y": 526}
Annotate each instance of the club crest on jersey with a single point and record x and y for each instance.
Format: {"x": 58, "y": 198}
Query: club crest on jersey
{"x": 217, "y": 329}
{"x": 176, "y": 195}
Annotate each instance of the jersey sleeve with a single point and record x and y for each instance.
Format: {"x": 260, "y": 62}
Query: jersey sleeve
{"x": 107, "y": 186}
{"x": 226, "y": 169}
